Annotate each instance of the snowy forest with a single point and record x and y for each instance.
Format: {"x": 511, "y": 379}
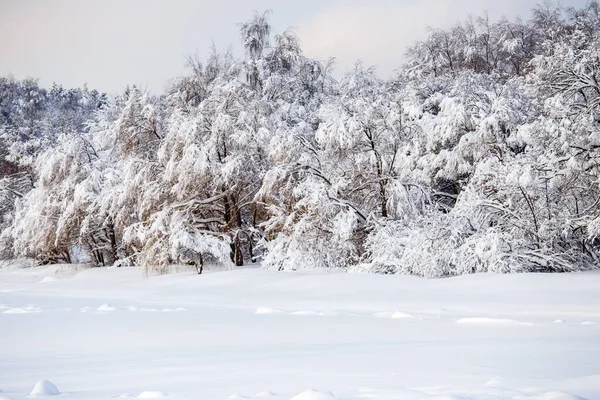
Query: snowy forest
{"x": 481, "y": 154}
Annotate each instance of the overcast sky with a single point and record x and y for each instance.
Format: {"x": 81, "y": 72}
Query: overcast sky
{"x": 111, "y": 43}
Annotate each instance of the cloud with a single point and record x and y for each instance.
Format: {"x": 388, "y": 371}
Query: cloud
{"x": 378, "y": 32}
{"x": 112, "y": 43}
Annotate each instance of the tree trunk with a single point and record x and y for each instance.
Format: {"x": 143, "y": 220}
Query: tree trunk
{"x": 200, "y": 264}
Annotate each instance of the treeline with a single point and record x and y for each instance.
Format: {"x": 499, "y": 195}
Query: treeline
{"x": 482, "y": 154}
{"x": 32, "y": 119}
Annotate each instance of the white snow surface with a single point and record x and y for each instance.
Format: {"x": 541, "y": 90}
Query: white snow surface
{"x": 313, "y": 394}
{"x": 251, "y": 333}
{"x": 152, "y": 394}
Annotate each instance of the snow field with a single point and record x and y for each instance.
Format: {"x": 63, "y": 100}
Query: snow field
{"x": 257, "y": 334}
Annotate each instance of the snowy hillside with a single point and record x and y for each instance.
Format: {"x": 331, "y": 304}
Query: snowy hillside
{"x": 110, "y": 333}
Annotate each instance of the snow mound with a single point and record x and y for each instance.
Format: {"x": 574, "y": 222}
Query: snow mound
{"x": 395, "y": 315}
{"x": 85, "y": 309}
{"x": 150, "y": 394}
{"x": 5, "y": 398}
{"x": 45, "y": 388}
{"x": 589, "y": 323}
{"x": 305, "y": 313}
{"x": 403, "y": 315}
{"x": 22, "y": 310}
{"x": 313, "y": 394}
{"x": 16, "y": 310}
{"x": 237, "y": 396}
{"x": 491, "y": 321}
{"x": 268, "y": 310}
{"x": 559, "y": 321}
{"x": 48, "y": 279}
{"x": 264, "y": 394}
{"x": 106, "y": 308}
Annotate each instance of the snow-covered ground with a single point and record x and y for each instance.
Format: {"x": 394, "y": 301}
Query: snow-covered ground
{"x": 111, "y": 333}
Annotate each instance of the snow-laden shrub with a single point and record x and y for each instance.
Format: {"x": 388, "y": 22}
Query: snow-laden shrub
{"x": 509, "y": 218}
{"x": 319, "y": 232}
{"x": 168, "y": 237}
{"x": 425, "y": 248}
{"x": 433, "y": 250}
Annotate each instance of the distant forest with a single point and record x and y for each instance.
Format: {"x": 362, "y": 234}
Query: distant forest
{"x": 482, "y": 154}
